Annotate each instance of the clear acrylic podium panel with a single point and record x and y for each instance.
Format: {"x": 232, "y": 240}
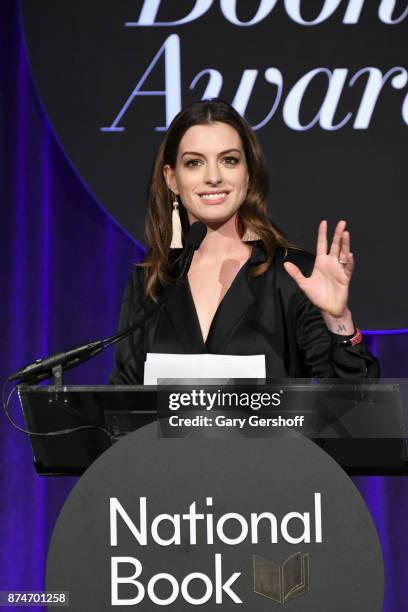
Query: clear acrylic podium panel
{"x": 362, "y": 425}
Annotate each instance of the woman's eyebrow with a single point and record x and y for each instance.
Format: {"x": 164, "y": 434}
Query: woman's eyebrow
{"x": 202, "y": 154}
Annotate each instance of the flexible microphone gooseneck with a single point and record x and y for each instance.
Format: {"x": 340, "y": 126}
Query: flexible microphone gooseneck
{"x": 41, "y": 369}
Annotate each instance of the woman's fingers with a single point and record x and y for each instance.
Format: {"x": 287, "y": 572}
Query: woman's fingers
{"x": 337, "y": 239}
{"x": 344, "y": 252}
{"x": 295, "y": 273}
{"x": 321, "y": 248}
{"x": 349, "y": 267}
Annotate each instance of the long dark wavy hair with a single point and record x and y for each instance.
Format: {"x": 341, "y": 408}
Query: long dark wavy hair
{"x": 252, "y": 214}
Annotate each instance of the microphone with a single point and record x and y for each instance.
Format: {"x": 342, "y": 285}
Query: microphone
{"x": 195, "y": 236}
{"x": 42, "y": 368}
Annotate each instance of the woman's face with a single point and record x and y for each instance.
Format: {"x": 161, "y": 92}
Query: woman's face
{"x": 211, "y": 173}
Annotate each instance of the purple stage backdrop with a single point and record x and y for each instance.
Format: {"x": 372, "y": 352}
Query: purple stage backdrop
{"x": 64, "y": 265}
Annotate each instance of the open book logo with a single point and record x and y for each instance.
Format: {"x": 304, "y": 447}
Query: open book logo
{"x": 282, "y": 582}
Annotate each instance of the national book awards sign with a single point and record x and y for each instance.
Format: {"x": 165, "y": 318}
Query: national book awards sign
{"x": 242, "y": 524}
{"x": 324, "y": 84}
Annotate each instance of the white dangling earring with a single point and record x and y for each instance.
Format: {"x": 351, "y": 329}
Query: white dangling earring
{"x": 176, "y": 242}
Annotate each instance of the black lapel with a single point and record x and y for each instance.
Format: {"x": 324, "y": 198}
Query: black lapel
{"x": 236, "y": 303}
{"x": 181, "y": 312}
{"x": 179, "y": 317}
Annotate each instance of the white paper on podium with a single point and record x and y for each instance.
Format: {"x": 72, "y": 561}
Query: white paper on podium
{"x": 202, "y": 366}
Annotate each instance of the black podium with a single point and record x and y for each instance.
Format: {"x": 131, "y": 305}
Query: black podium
{"x": 361, "y": 425}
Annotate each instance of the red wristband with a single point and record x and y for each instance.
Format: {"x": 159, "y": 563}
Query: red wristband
{"x": 357, "y": 338}
{"x": 353, "y": 341}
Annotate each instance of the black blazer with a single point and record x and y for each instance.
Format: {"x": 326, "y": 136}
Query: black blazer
{"x": 266, "y": 315}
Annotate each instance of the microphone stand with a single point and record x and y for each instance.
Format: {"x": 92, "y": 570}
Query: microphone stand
{"x": 54, "y": 365}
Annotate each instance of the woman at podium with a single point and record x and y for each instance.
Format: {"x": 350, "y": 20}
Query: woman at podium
{"x": 249, "y": 291}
